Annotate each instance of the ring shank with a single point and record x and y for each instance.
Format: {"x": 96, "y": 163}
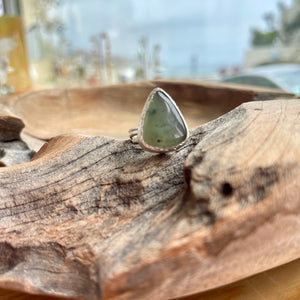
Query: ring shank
{"x": 133, "y": 132}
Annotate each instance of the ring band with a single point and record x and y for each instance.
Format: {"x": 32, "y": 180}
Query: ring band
{"x": 133, "y": 132}
{"x": 162, "y": 127}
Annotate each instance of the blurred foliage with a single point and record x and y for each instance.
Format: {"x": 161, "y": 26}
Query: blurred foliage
{"x": 50, "y": 23}
{"x": 265, "y": 38}
{"x": 293, "y": 25}
{"x": 260, "y": 38}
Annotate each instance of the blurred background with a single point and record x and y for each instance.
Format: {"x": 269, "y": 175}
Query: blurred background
{"x": 68, "y": 43}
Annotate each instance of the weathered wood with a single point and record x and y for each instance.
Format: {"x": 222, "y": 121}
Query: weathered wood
{"x": 275, "y": 284}
{"x": 93, "y": 217}
{"x": 13, "y": 150}
{"x": 111, "y": 109}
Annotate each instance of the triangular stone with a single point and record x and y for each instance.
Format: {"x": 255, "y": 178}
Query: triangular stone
{"x": 163, "y": 125}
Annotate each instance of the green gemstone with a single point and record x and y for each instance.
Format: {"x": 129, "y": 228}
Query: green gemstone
{"x": 163, "y": 125}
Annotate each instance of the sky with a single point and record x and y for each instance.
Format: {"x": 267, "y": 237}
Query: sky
{"x": 216, "y": 32}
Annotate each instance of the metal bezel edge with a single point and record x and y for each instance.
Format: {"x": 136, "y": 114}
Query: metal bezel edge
{"x": 140, "y": 139}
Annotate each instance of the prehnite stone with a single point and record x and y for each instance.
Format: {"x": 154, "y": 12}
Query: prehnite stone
{"x": 163, "y": 126}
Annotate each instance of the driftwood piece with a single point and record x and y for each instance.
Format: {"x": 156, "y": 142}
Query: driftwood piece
{"x": 110, "y": 110}
{"x": 13, "y": 150}
{"x": 275, "y": 284}
{"x": 93, "y": 217}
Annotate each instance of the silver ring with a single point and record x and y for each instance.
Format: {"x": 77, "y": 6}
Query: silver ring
{"x": 162, "y": 127}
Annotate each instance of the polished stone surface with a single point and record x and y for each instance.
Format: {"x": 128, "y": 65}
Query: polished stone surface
{"x": 163, "y": 125}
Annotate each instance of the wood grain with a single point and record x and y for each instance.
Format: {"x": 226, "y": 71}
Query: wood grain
{"x": 93, "y": 217}
{"x": 275, "y": 284}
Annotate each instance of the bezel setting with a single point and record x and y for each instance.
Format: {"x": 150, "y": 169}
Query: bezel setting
{"x": 140, "y": 138}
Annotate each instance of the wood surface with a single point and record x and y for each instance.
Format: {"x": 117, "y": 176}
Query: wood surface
{"x": 97, "y": 217}
{"x": 13, "y": 150}
{"x": 281, "y": 283}
{"x": 112, "y": 110}
{"x": 275, "y": 284}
